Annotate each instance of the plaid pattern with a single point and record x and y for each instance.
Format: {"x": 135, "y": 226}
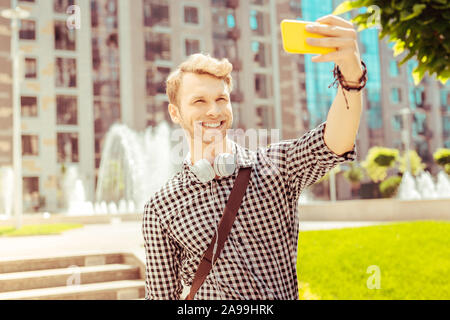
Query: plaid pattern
{"x": 259, "y": 258}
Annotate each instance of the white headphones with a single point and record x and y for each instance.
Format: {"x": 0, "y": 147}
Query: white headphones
{"x": 224, "y": 166}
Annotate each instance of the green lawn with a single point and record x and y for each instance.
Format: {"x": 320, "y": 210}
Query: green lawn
{"x": 34, "y": 230}
{"x": 413, "y": 259}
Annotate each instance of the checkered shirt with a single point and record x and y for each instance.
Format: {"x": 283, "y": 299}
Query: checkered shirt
{"x": 259, "y": 258}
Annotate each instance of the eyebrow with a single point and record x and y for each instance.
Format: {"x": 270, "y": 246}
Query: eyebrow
{"x": 202, "y": 97}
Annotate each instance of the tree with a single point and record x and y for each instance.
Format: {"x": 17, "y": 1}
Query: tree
{"x": 442, "y": 158}
{"x": 421, "y": 27}
{"x": 378, "y": 161}
{"x": 417, "y": 166}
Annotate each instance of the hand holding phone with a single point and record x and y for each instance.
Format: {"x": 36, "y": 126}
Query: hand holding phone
{"x": 294, "y": 37}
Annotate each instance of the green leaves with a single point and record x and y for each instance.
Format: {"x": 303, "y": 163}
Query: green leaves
{"x": 417, "y": 10}
{"x": 421, "y": 28}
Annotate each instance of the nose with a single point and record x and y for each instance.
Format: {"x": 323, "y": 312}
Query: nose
{"x": 214, "y": 110}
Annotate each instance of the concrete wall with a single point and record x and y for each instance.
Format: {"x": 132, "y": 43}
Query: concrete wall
{"x": 376, "y": 210}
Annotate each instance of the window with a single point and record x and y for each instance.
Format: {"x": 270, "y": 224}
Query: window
{"x": 27, "y": 30}
{"x": 30, "y": 68}
{"x": 259, "y": 53}
{"x": 395, "y": 95}
{"x": 155, "y": 14}
{"x": 261, "y": 85}
{"x": 393, "y": 68}
{"x": 29, "y": 106}
{"x": 263, "y": 116}
{"x": 155, "y": 80}
{"x": 66, "y": 110}
{"x": 66, "y": 73}
{"x": 60, "y": 6}
{"x": 157, "y": 46}
{"x": 31, "y": 198}
{"x": 257, "y": 22}
{"x": 191, "y": 15}
{"x": 67, "y": 147}
{"x": 192, "y": 46}
{"x": 397, "y": 122}
{"x": 64, "y": 37}
{"x": 30, "y": 145}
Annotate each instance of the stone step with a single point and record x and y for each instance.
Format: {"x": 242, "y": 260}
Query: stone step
{"x": 113, "y": 290}
{"x": 8, "y": 265}
{"x": 27, "y": 280}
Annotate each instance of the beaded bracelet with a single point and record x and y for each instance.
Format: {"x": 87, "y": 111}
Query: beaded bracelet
{"x": 338, "y": 77}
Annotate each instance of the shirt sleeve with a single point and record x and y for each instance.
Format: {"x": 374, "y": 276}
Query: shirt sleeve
{"x": 162, "y": 277}
{"x": 305, "y": 160}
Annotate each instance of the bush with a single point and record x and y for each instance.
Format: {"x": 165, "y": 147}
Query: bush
{"x": 389, "y": 187}
{"x": 442, "y": 158}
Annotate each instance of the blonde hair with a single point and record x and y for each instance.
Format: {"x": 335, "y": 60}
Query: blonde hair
{"x": 198, "y": 63}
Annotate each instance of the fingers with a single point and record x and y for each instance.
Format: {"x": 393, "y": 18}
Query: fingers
{"x": 332, "y": 42}
{"x": 335, "y": 20}
{"x": 333, "y": 56}
{"x": 333, "y": 31}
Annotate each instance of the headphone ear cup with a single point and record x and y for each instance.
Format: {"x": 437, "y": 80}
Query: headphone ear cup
{"x": 224, "y": 164}
{"x": 203, "y": 170}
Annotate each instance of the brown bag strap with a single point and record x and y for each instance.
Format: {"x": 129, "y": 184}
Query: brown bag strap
{"x": 225, "y": 225}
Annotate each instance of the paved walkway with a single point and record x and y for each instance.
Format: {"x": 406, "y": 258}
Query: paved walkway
{"x": 123, "y": 236}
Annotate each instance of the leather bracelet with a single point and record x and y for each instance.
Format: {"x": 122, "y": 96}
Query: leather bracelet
{"x": 339, "y": 78}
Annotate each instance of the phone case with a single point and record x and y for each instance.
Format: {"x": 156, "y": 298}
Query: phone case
{"x": 294, "y": 37}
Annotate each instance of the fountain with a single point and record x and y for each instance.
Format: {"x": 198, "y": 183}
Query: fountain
{"x": 423, "y": 187}
{"x": 407, "y": 189}
{"x": 443, "y": 185}
{"x": 133, "y": 166}
{"x": 6, "y": 195}
{"x": 75, "y": 194}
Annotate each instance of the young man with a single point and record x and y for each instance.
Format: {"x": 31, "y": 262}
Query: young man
{"x": 259, "y": 258}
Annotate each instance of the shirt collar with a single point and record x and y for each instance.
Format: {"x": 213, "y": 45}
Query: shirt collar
{"x": 245, "y": 158}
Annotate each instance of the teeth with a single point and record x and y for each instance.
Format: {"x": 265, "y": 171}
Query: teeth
{"x": 211, "y": 125}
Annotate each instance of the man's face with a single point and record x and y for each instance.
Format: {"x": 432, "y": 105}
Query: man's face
{"x": 205, "y": 110}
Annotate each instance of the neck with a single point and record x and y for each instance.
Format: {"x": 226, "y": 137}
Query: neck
{"x": 200, "y": 150}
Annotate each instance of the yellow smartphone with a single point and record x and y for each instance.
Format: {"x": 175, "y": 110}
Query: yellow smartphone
{"x": 294, "y": 37}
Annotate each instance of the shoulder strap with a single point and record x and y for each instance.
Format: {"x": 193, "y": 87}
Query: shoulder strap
{"x": 225, "y": 224}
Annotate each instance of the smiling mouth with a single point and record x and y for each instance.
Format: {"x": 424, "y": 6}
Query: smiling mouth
{"x": 213, "y": 125}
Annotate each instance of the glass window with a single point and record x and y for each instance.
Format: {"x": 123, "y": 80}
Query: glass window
{"x": 60, "y": 6}
{"x": 156, "y": 80}
{"x": 66, "y": 109}
{"x": 261, "y": 85}
{"x": 263, "y": 116}
{"x": 192, "y": 46}
{"x": 191, "y": 15}
{"x": 157, "y": 46}
{"x": 30, "y": 68}
{"x": 64, "y": 37}
{"x": 395, "y": 95}
{"x": 397, "y": 122}
{"x": 29, "y": 106}
{"x": 257, "y": 22}
{"x": 260, "y": 50}
{"x": 156, "y": 14}
{"x": 31, "y": 198}
{"x": 30, "y": 145}
{"x": 67, "y": 147}
{"x": 393, "y": 68}
{"x": 66, "y": 73}
{"x": 27, "y": 30}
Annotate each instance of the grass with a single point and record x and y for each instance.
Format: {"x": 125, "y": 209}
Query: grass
{"x": 413, "y": 259}
{"x": 41, "y": 229}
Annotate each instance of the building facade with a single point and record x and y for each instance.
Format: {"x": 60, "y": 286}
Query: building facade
{"x": 77, "y": 82}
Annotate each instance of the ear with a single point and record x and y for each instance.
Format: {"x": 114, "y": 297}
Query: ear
{"x": 174, "y": 113}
